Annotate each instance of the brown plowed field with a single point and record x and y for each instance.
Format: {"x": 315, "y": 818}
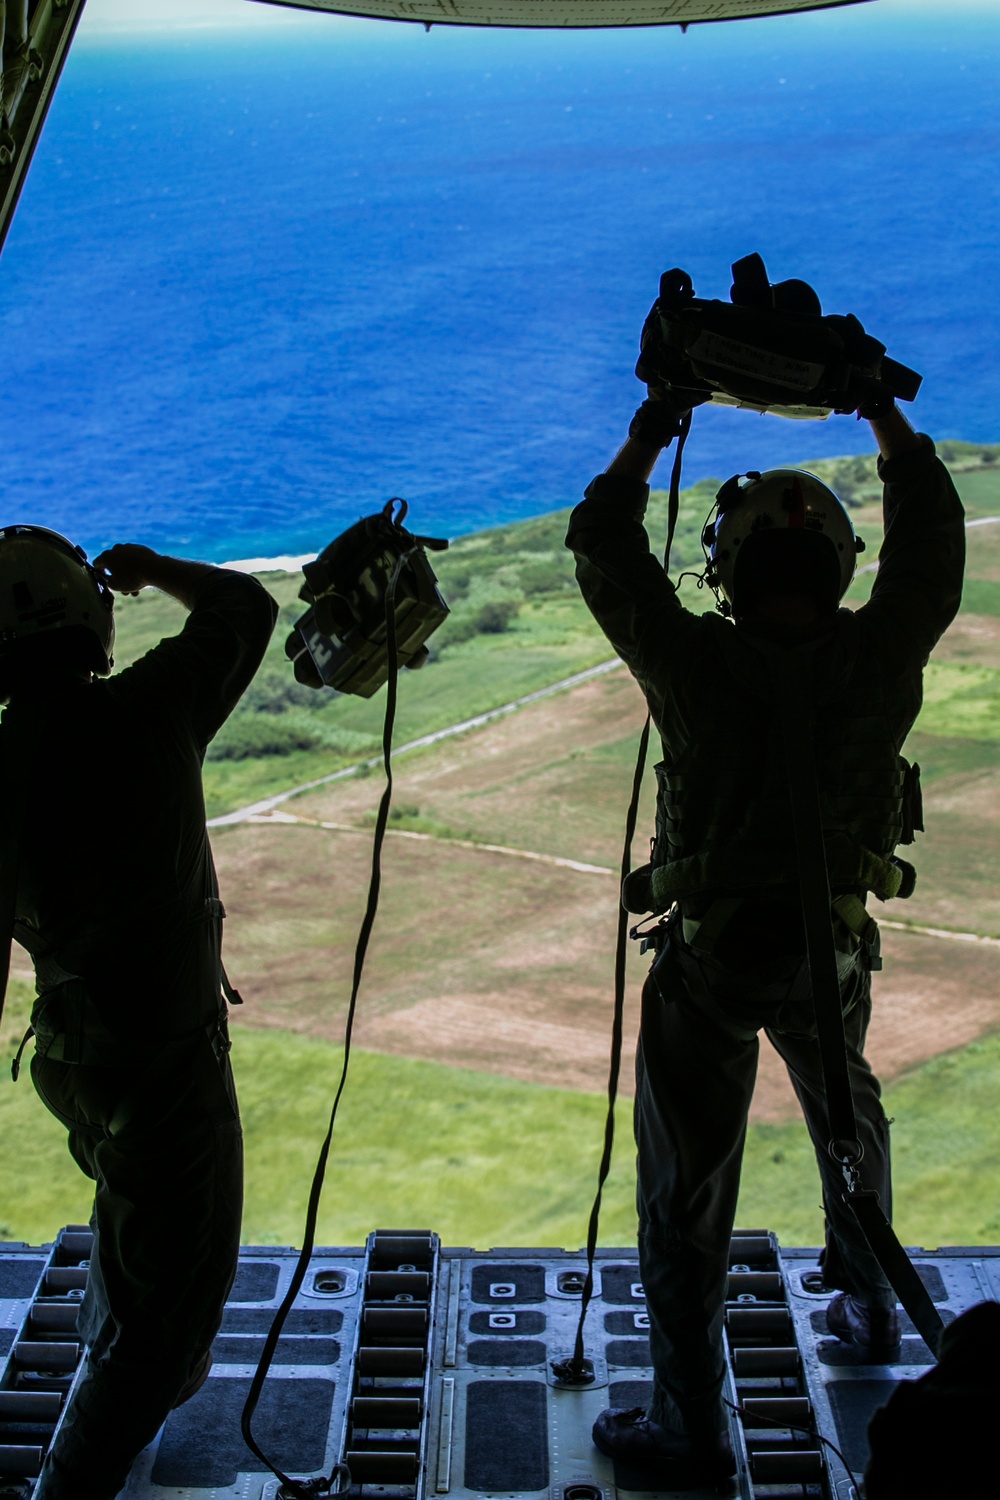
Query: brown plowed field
{"x": 489, "y": 961}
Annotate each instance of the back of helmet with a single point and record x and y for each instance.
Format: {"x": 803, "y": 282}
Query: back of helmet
{"x": 780, "y": 533}
{"x": 56, "y": 612}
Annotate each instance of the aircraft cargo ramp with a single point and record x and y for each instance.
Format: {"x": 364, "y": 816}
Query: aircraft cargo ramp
{"x": 428, "y": 1369}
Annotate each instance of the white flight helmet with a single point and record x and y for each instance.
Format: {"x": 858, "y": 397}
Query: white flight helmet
{"x": 47, "y": 586}
{"x": 781, "y": 531}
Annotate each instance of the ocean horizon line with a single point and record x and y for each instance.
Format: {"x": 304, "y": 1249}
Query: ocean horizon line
{"x": 293, "y": 562}
{"x": 428, "y": 280}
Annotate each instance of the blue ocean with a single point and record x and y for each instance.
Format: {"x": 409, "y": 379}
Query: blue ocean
{"x": 260, "y": 281}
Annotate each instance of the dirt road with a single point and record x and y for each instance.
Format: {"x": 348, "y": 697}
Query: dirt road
{"x": 489, "y": 960}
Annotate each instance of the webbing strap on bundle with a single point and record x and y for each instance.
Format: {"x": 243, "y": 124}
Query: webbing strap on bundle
{"x": 308, "y": 1489}
{"x": 577, "y": 1369}
{"x": 845, "y": 1148}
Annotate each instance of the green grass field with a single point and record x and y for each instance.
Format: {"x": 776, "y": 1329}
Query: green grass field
{"x": 485, "y": 1159}
{"x": 488, "y": 1161}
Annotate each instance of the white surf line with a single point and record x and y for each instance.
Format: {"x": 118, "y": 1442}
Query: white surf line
{"x": 939, "y": 932}
{"x": 979, "y": 521}
{"x": 433, "y": 838}
{"x": 253, "y": 809}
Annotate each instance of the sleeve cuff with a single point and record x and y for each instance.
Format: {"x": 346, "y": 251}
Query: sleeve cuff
{"x": 907, "y": 465}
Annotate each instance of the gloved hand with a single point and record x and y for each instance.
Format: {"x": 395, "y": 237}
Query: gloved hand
{"x": 127, "y": 567}
{"x": 653, "y": 365}
{"x": 875, "y": 408}
{"x": 866, "y": 394}
{"x": 658, "y": 420}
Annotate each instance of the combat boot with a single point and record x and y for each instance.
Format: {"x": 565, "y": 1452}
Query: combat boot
{"x": 677, "y": 1460}
{"x": 872, "y": 1331}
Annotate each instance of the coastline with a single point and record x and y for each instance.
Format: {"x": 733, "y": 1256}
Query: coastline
{"x": 960, "y": 455}
{"x": 268, "y": 564}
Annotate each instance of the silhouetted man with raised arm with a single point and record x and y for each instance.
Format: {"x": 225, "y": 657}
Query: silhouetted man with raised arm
{"x": 107, "y": 865}
{"x": 724, "y": 866}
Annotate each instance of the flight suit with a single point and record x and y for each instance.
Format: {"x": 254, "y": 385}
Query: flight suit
{"x": 725, "y": 853}
{"x": 117, "y": 902}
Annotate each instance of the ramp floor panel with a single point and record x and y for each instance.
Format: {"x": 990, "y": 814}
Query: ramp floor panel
{"x": 434, "y": 1375}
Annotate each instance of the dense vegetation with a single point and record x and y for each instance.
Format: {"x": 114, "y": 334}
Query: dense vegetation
{"x": 516, "y": 624}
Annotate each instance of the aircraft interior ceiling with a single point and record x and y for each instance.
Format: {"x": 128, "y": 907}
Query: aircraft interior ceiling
{"x": 562, "y": 13}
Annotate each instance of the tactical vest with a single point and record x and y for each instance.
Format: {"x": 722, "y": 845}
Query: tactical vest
{"x": 723, "y": 810}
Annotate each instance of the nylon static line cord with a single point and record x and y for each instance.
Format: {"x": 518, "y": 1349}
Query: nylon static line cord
{"x": 844, "y": 1145}
{"x": 308, "y": 1489}
{"x": 577, "y": 1370}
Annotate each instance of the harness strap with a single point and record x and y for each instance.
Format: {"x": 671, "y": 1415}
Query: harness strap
{"x": 899, "y": 1269}
{"x": 817, "y": 904}
{"x": 15, "y": 1067}
{"x": 230, "y": 992}
{"x": 216, "y": 912}
{"x": 8, "y": 905}
{"x": 855, "y": 916}
{"x": 708, "y": 871}
{"x": 704, "y": 935}
{"x": 844, "y": 1145}
{"x": 16, "y": 753}
{"x": 70, "y": 1029}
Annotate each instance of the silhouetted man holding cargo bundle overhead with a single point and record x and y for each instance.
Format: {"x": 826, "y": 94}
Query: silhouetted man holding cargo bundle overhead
{"x": 107, "y": 879}
{"x": 732, "y": 951}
